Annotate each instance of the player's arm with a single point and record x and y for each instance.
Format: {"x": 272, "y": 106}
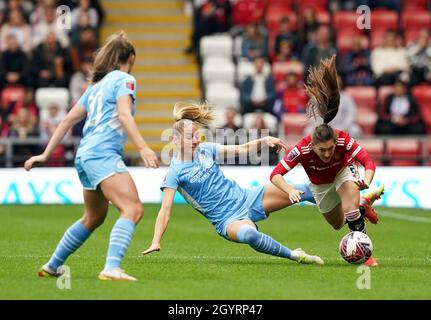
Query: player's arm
{"x": 286, "y": 164}
{"x": 162, "y": 220}
{"x": 360, "y": 155}
{"x": 124, "y": 108}
{"x": 251, "y": 147}
{"x": 76, "y": 114}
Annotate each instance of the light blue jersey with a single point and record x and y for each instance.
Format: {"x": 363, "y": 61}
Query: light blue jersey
{"x": 99, "y": 155}
{"x": 103, "y": 132}
{"x": 206, "y": 189}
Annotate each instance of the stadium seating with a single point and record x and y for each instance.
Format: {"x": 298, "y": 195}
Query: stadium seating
{"x": 280, "y": 69}
{"x": 422, "y": 94}
{"x": 216, "y": 45}
{"x": 12, "y": 93}
{"x": 218, "y": 69}
{"x": 367, "y": 119}
{"x": 414, "y": 19}
{"x": 247, "y": 11}
{"x": 365, "y": 97}
{"x": 416, "y": 5}
{"x": 294, "y": 123}
{"x": 345, "y": 21}
{"x": 45, "y": 97}
{"x": 402, "y": 151}
{"x": 270, "y": 121}
{"x": 375, "y": 148}
{"x": 383, "y": 93}
{"x": 317, "y": 5}
{"x": 223, "y": 95}
{"x": 384, "y": 20}
{"x": 274, "y": 16}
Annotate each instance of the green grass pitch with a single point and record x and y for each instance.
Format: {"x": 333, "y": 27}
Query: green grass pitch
{"x": 196, "y": 263}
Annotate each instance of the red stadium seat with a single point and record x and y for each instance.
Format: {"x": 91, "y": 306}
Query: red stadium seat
{"x": 383, "y": 93}
{"x": 375, "y": 148}
{"x": 294, "y": 123}
{"x": 274, "y": 15}
{"x": 247, "y": 11}
{"x": 365, "y": 97}
{"x": 429, "y": 153}
{"x": 416, "y": 20}
{"x": 280, "y": 69}
{"x": 317, "y": 5}
{"x": 367, "y": 119}
{"x": 344, "y": 41}
{"x": 384, "y": 20}
{"x": 323, "y": 17}
{"x": 345, "y": 21}
{"x": 403, "y": 152}
{"x": 422, "y": 94}
{"x": 12, "y": 93}
{"x": 417, "y": 5}
{"x": 411, "y": 36}
{"x": 377, "y": 37}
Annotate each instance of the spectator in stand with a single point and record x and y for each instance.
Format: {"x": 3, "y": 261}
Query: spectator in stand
{"x": 4, "y": 132}
{"x": 230, "y": 115}
{"x": 38, "y": 13}
{"x": 51, "y": 66}
{"x": 50, "y": 122}
{"x": 258, "y": 90}
{"x": 286, "y": 35}
{"x": 83, "y": 24}
{"x": 345, "y": 119}
{"x": 400, "y": 114}
{"x": 307, "y": 28}
{"x": 254, "y": 43}
{"x": 96, "y": 4}
{"x": 25, "y": 7}
{"x": 286, "y": 53}
{"x": 85, "y": 48}
{"x": 49, "y": 24}
{"x": 14, "y": 107}
{"x": 213, "y": 16}
{"x": 321, "y": 49}
{"x": 85, "y": 7}
{"x": 419, "y": 55}
{"x": 22, "y": 128}
{"x": 16, "y": 26}
{"x": 261, "y": 130}
{"x": 356, "y": 66}
{"x": 15, "y": 67}
{"x": 389, "y": 60}
{"x": 293, "y": 95}
{"x": 79, "y": 80}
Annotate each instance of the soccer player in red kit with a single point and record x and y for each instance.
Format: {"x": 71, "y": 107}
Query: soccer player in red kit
{"x": 327, "y": 156}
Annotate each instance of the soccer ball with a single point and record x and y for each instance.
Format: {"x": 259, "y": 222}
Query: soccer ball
{"x": 356, "y": 247}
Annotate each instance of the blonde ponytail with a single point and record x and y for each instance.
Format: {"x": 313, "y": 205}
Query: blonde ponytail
{"x": 199, "y": 113}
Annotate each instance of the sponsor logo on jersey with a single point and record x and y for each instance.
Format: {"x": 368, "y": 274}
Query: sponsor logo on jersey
{"x": 121, "y": 165}
{"x": 349, "y": 146}
{"x": 130, "y": 85}
{"x": 293, "y": 154}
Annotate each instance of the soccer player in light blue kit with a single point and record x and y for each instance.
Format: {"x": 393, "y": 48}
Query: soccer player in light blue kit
{"x": 233, "y": 210}
{"x": 109, "y": 105}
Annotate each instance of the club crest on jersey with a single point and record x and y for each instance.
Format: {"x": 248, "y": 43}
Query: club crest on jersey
{"x": 130, "y": 85}
{"x": 292, "y": 154}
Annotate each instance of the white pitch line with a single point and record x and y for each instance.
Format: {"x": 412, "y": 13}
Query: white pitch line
{"x": 403, "y": 217}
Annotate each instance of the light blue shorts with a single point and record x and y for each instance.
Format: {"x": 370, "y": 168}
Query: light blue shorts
{"x": 92, "y": 171}
{"x": 252, "y": 210}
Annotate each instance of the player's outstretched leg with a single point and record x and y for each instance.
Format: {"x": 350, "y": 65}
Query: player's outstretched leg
{"x": 366, "y": 202}
{"x": 72, "y": 239}
{"x": 265, "y": 244}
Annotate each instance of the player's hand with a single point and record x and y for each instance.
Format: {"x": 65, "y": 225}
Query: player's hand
{"x": 276, "y": 143}
{"x": 29, "y": 164}
{"x": 295, "y": 195}
{"x": 149, "y": 158}
{"x": 361, "y": 185}
{"x": 154, "y": 247}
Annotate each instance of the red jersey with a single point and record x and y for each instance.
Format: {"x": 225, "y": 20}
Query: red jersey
{"x": 346, "y": 151}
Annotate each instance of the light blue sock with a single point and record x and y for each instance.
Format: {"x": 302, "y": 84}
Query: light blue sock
{"x": 121, "y": 236}
{"x": 72, "y": 239}
{"x": 308, "y": 195}
{"x": 263, "y": 243}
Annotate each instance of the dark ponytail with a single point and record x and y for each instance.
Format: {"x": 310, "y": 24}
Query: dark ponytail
{"x": 322, "y": 88}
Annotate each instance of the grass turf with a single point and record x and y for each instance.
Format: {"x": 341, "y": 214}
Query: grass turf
{"x": 196, "y": 263}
